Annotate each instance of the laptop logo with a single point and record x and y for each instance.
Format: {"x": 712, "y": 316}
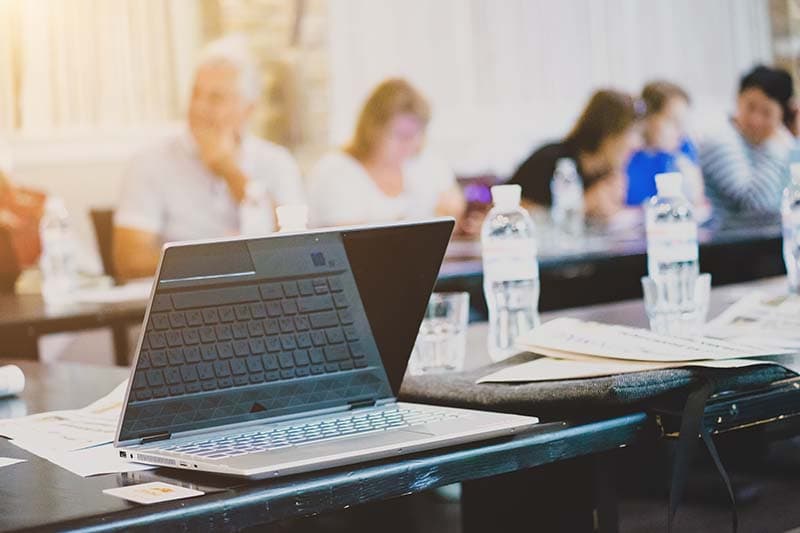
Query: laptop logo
{"x": 318, "y": 259}
{"x": 257, "y": 408}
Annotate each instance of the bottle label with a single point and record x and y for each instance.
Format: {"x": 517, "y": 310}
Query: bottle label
{"x": 672, "y": 242}
{"x": 510, "y": 260}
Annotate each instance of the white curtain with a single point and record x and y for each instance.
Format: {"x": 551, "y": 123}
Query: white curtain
{"x": 505, "y": 75}
{"x": 91, "y": 64}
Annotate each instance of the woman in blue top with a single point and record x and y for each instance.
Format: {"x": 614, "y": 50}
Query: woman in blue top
{"x": 667, "y": 147}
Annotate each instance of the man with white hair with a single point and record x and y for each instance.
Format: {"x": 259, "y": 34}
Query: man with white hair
{"x": 192, "y": 185}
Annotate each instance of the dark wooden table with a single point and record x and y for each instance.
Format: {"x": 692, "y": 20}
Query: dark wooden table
{"x": 39, "y": 495}
{"x": 607, "y": 267}
{"x": 25, "y": 318}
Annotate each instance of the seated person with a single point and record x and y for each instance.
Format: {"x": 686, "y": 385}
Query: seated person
{"x": 600, "y": 144}
{"x": 382, "y": 174}
{"x": 666, "y": 145}
{"x": 745, "y": 166}
{"x": 191, "y": 186}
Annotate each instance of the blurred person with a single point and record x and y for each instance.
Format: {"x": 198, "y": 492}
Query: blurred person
{"x": 383, "y": 174}
{"x": 745, "y": 166}
{"x": 667, "y": 147}
{"x": 600, "y": 143}
{"x": 192, "y": 185}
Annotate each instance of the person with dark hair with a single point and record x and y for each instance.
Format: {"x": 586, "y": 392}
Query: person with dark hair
{"x": 667, "y": 148}
{"x": 600, "y": 143}
{"x": 746, "y": 167}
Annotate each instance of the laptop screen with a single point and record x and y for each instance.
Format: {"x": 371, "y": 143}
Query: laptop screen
{"x": 261, "y": 328}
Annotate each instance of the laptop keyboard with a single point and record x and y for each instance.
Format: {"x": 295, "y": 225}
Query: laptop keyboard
{"x": 221, "y": 338}
{"x": 352, "y": 424}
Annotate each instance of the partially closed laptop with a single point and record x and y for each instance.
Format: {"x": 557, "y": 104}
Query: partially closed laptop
{"x": 271, "y": 356}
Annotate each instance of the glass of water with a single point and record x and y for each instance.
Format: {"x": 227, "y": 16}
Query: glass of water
{"x": 679, "y": 306}
{"x": 442, "y": 340}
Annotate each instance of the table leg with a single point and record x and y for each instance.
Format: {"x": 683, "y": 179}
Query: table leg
{"x": 554, "y": 497}
{"x": 119, "y": 332}
{"x": 22, "y": 345}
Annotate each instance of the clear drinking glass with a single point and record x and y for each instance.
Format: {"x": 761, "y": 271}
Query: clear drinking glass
{"x": 442, "y": 340}
{"x": 678, "y": 308}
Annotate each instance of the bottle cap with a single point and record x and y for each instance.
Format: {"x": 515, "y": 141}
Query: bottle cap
{"x": 794, "y": 168}
{"x": 292, "y": 217}
{"x": 506, "y": 196}
{"x": 12, "y": 380}
{"x": 669, "y": 184}
{"x": 565, "y": 164}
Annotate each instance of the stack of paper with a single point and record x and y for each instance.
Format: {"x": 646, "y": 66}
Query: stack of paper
{"x": 577, "y": 349}
{"x": 77, "y": 440}
{"x": 762, "y": 319}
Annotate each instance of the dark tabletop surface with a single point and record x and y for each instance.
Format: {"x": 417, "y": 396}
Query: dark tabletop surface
{"x": 37, "y": 494}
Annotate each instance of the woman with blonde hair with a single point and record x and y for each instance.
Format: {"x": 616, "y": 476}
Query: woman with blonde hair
{"x": 382, "y": 174}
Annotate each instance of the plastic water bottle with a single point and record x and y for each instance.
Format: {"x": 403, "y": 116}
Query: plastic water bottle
{"x": 790, "y": 214}
{"x": 672, "y": 252}
{"x": 255, "y": 213}
{"x": 510, "y": 271}
{"x": 567, "y": 209}
{"x": 58, "y": 261}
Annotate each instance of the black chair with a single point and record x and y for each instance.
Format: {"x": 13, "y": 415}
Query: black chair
{"x": 103, "y": 222}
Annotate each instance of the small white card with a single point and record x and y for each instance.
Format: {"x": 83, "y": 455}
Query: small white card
{"x": 154, "y": 492}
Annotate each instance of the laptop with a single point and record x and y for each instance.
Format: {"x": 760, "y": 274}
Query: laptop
{"x": 270, "y": 356}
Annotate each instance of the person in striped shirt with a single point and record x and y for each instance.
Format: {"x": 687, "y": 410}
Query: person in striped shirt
{"x": 746, "y": 167}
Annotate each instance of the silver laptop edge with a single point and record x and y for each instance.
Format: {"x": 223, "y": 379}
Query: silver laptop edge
{"x": 466, "y": 425}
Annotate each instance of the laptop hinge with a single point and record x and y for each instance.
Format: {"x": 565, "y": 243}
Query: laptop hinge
{"x": 156, "y": 437}
{"x": 359, "y": 404}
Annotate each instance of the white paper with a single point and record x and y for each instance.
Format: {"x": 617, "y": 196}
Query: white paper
{"x": 70, "y": 430}
{"x": 8, "y": 461}
{"x": 568, "y": 338}
{"x": 762, "y": 318}
{"x": 87, "y": 462}
{"x": 78, "y": 440}
{"x": 551, "y": 369}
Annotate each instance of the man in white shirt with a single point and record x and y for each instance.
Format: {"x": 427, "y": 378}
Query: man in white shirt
{"x": 192, "y": 185}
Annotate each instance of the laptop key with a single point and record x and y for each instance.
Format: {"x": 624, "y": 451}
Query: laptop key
{"x": 346, "y": 316}
{"x": 313, "y": 304}
{"x": 224, "y": 332}
{"x": 334, "y": 335}
{"x": 238, "y": 367}
{"x": 335, "y": 283}
{"x": 175, "y": 356}
{"x": 274, "y": 309}
{"x": 289, "y": 307}
{"x": 273, "y": 375}
{"x": 287, "y": 324}
{"x": 301, "y": 323}
{"x": 301, "y": 357}
{"x": 226, "y": 314}
{"x": 240, "y": 331}
{"x": 257, "y": 346}
{"x": 286, "y": 360}
{"x": 209, "y": 352}
{"x": 210, "y": 316}
{"x": 158, "y": 358}
{"x": 194, "y": 318}
{"x": 240, "y": 380}
{"x": 160, "y": 320}
{"x": 270, "y": 362}
{"x": 205, "y": 371}
{"x": 256, "y": 328}
{"x": 273, "y": 344}
{"x": 258, "y": 310}
{"x": 287, "y": 374}
{"x": 174, "y": 338}
{"x": 188, "y": 373}
{"x": 336, "y": 353}
{"x": 241, "y": 348}
{"x": 350, "y": 333}
{"x": 225, "y": 350}
{"x": 207, "y": 334}
{"x": 305, "y": 287}
{"x": 316, "y": 355}
{"x": 324, "y": 320}
{"x": 256, "y": 377}
{"x": 270, "y": 291}
{"x": 177, "y": 319}
{"x": 157, "y": 340}
{"x": 271, "y": 327}
{"x": 193, "y": 387}
{"x": 290, "y": 289}
{"x": 224, "y": 383}
{"x": 177, "y": 390}
{"x": 340, "y": 300}
{"x": 222, "y": 369}
{"x": 242, "y": 312}
{"x": 191, "y": 336}
{"x": 302, "y": 371}
{"x": 191, "y": 354}
{"x": 254, "y": 364}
